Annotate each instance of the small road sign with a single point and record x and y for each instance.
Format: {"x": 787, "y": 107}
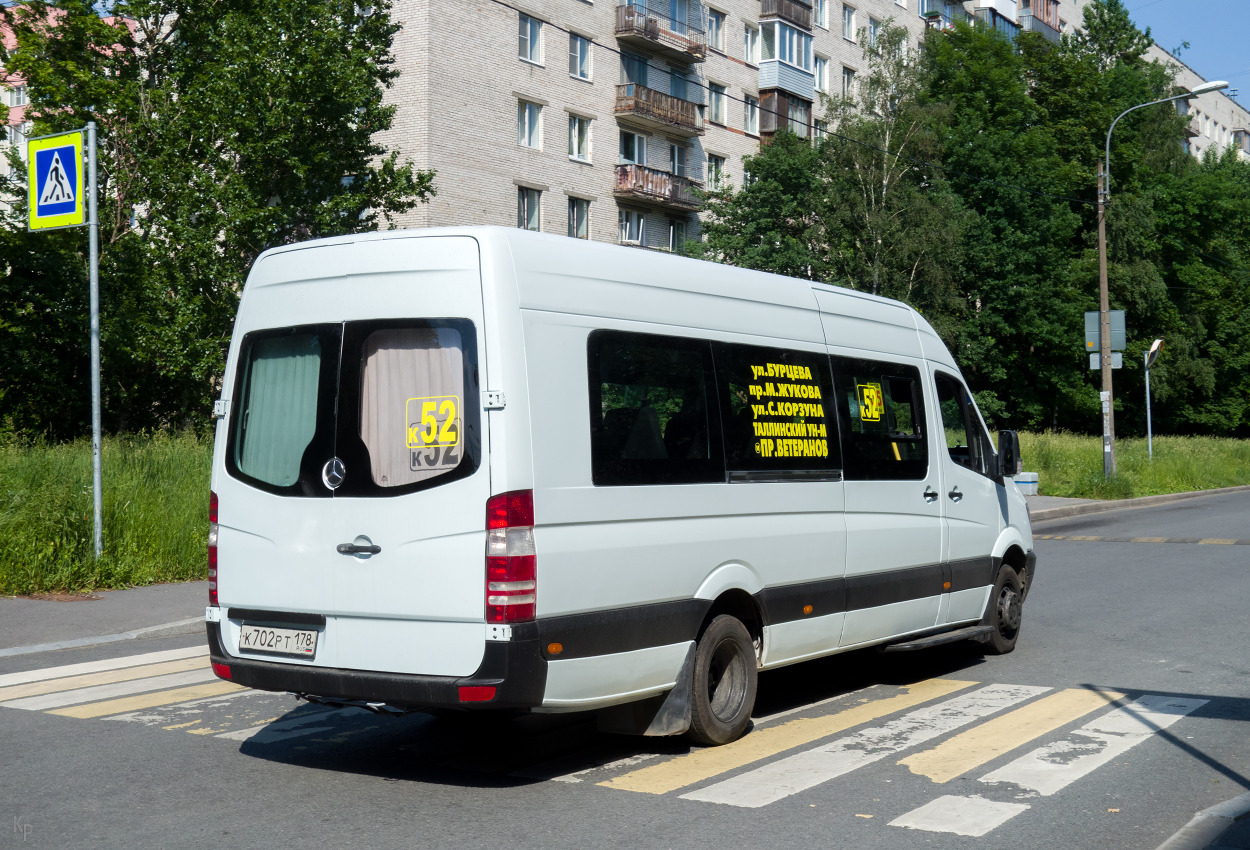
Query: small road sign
{"x": 56, "y": 181}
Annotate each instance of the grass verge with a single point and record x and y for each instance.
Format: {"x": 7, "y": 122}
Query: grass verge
{"x": 155, "y": 513}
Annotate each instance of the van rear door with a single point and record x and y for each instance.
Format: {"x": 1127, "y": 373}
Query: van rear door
{"x": 357, "y": 486}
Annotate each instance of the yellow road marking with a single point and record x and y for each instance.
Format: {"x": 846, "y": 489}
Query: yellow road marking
{"x": 762, "y": 743}
{"x": 120, "y": 706}
{"x": 1084, "y": 537}
{"x": 1219, "y": 540}
{"x": 183, "y": 725}
{"x": 1150, "y": 540}
{"x": 956, "y": 756}
{"x": 109, "y": 678}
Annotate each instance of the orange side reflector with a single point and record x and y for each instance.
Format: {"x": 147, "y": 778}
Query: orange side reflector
{"x": 807, "y": 609}
{"x": 555, "y": 648}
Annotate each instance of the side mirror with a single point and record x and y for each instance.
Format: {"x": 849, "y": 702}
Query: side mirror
{"x": 1009, "y": 462}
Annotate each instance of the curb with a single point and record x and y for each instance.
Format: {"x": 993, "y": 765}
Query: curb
{"x": 1124, "y": 504}
{"x": 178, "y": 627}
{"x": 1208, "y": 825}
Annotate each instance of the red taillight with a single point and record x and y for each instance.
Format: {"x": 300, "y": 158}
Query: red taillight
{"x": 511, "y": 563}
{"x": 477, "y": 693}
{"x": 222, "y": 670}
{"x": 212, "y": 558}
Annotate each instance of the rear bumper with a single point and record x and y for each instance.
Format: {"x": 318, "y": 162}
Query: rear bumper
{"x": 516, "y": 669}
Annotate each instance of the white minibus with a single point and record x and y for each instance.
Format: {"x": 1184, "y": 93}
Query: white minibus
{"x": 484, "y": 468}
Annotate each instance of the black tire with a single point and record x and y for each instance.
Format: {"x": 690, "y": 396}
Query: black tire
{"x": 723, "y": 690}
{"x": 1006, "y": 611}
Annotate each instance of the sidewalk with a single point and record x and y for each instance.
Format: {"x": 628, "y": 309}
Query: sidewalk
{"x": 105, "y": 616}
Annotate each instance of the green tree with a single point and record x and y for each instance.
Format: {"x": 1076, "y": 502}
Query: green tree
{"x": 225, "y": 129}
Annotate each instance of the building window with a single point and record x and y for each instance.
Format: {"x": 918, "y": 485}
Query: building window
{"x": 676, "y": 234}
{"x": 715, "y": 170}
{"x": 799, "y": 115}
{"x": 579, "y": 138}
{"x": 848, "y": 82}
{"x": 677, "y": 156}
{"x": 579, "y": 57}
{"x": 527, "y": 208}
{"x": 751, "y": 45}
{"x": 633, "y": 149}
{"x": 528, "y": 124}
{"x": 529, "y": 39}
{"x": 820, "y": 128}
{"x": 784, "y": 42}
{"x": 848, "y": 22}
{"x": 633, "y": 69}
{"x": 821, "y": 13}
{"x": 751, "y": 114}
{"x": 716, "y": 30}
{"x": 679, "y": 14}
{"x": 677, "y": 85}
{"x": 633, "y": 227}
{"x": 874, "y": 30}
{"x": 716, "y": 93}
{"x": 822, "y": 74}
{"x": 579, "y": 218}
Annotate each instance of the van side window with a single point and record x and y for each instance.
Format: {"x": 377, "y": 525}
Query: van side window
{"x": 881, "y": 408}
{"x": 412, "y": 403}
{"x": 966, "y": 441}
{"x": 775, "y": 410}
{"x": 284, "y": 403}
{"x": 651, "y": 409}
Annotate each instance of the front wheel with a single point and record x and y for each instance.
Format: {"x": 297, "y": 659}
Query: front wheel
{"x": 723, "y": 693}
{"x": 1005, "y": 611}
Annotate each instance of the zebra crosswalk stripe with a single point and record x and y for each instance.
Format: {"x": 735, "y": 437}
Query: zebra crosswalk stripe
{"x": 46, "y": 673}
{"x": 810, "y": 768}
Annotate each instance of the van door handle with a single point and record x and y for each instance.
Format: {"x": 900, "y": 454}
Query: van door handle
{"x": 354, "y": 549}
{"x": 930, "y": 495}
{"x": 955, "y": 494}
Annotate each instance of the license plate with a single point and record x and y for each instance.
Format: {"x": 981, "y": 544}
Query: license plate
{"x": 272, "y": 640}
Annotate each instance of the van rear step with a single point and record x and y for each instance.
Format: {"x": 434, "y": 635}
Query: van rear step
{"x": 937, "y": 640}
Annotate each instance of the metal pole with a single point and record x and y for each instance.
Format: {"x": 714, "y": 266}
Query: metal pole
{"x": 1150, "y": 446}
{"x": 93, "y": 230}
{"x": 1104, "y": 330}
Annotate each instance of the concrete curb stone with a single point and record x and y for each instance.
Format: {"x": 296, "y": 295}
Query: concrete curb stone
{"x": 1206, "y": 827}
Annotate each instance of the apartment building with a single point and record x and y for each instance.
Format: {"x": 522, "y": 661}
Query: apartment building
{"x": 602, "y": 118}
{"x": 14, "y": 95}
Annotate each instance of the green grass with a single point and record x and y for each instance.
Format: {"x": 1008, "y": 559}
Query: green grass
{"x": 155, "y": 513}
{"x": 156, "y": 500}
{"x": 1071, "y": 465}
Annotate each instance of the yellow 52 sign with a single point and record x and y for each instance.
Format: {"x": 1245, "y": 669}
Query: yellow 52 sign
{"x": 432, "y": 421}
{"x": 871, "y": 402}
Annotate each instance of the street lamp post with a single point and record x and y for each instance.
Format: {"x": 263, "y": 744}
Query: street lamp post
{"x": 1104, "y": 298}
{"x": 1151, "y": 356}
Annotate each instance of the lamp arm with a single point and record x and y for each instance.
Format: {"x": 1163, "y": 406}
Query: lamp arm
{"x": 1106, "y": 163}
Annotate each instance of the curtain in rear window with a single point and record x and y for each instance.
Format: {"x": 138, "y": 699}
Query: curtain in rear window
{"x": 279, "y": 414}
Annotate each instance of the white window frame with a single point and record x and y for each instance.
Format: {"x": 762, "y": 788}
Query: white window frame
{"x": 820, "y": 128}
{"x": 718, "y": 98}
{"x": 848, "y": 81}
{"x": 874, "y": 31}
{"x": 716, "y": 21}
{"x": 820, "y": 14}
{"x": 799, "y": 117}
{"x": 821, "y": 69}
{"x": 627, "y": 219}
{"x": 676, "y": 226}
{"x": 678, "y": 157}
{"x": 715, "y": 170}
{"x": 579, "y": 142}
{"x": 529, "y": 39}
{"x": 848, "y": 23}
{"x": 751, "y": 114}
{"x": 529, "y": 204}
{"x": 579, "y": 218}
{"x": 640, "y": 149}
{"x": 529, "y": 124}
{"x": 579, "y": 61}
{"x": 791, "y": 45}
{"x": 750, "y": 44}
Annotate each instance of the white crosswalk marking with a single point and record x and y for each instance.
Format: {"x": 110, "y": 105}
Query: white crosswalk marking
{"x": 46, "y": 673}
{"x": 1056, "y": 765}
{"x": 973, "y": 816}
{"x": 808, "y": 769}
{"x": 110, "y": 691}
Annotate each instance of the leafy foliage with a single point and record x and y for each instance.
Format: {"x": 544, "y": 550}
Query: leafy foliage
{"x": 225, "y": 129}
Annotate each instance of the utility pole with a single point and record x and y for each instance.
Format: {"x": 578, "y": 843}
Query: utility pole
{"x": 1104, "y": 331}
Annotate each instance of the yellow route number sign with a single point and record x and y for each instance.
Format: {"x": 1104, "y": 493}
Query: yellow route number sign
{"x": 56, "y": 181}
{"x": 871, "y": 402}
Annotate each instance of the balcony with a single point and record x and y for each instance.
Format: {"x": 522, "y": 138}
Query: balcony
{"x": 652, "y": 186}
{"x": 994, "y": 19}
{"x": 1032, "y": 23}
{"x": 640, "y": 25}
{"x": 791, "y": 11}
{"x": 655, "y": 110}
{"x": 944, "y": 16}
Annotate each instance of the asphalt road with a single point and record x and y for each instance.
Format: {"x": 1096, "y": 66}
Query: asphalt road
{"x": 857, "y": 751}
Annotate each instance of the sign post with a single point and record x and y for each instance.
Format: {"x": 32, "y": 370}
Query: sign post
{"x": 61, "y": 193}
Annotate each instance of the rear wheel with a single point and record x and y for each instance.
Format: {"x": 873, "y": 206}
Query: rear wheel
{"x": 1006, "y": 610}
{"x": 723, "y": 693}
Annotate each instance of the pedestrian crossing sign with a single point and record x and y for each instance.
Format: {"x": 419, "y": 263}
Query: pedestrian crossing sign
{"x": 56, "y": 181}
